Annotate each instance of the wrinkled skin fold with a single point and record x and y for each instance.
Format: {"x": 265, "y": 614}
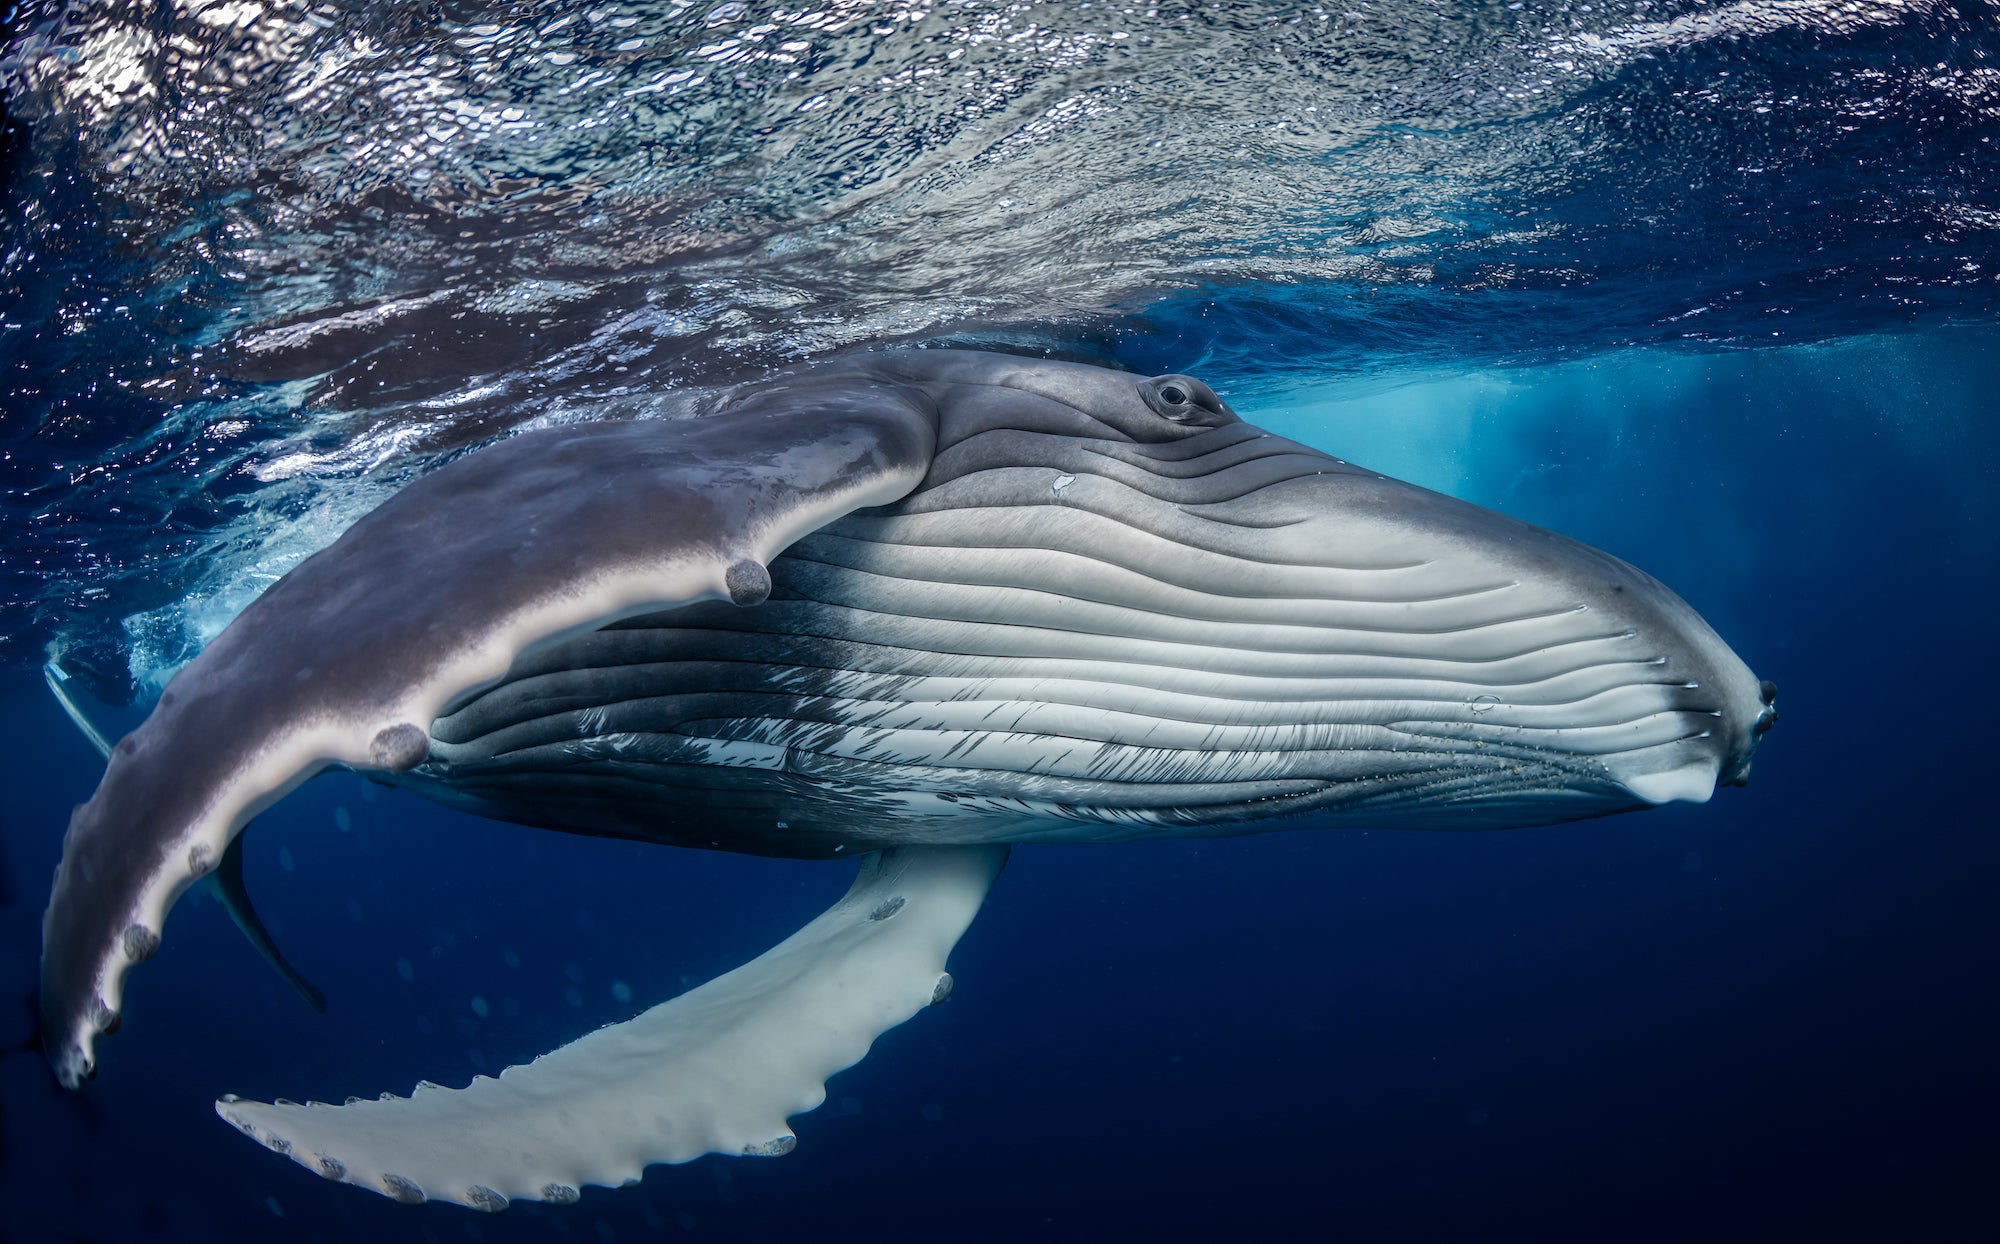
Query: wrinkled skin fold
{"x": 911, "y": 600}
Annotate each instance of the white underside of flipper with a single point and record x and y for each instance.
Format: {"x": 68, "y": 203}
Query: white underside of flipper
{"x": 717, "y": 1070}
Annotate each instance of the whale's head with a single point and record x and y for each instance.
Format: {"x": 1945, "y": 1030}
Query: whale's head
{"x": 1314, "y": 637}
{"x": 1562, "y": 675}
{"x": 1472, "y": 669}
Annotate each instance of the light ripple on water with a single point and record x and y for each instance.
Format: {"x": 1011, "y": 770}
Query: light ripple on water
{"x": 255, "y": 253}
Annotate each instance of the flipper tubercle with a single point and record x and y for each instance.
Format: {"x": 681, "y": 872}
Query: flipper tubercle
{"x": 225, "y": 883}
{"x": 717, "y": 1070}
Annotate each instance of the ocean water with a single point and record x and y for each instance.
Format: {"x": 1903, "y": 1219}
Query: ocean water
{"x": 1710, "y": 285}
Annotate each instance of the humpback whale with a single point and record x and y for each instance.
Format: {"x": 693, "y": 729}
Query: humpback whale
{"x": 911, "y": 605}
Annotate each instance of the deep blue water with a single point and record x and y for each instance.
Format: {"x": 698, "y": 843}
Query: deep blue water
{"x": 1709, "y": 286}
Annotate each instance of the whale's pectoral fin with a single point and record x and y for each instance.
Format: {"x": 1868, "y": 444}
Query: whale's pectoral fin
{"x": 226, "y": 882}
{"x": 431, "y": 596}
{"x": 717, "y": 1070}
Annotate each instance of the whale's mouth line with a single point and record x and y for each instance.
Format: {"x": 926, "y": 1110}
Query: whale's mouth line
{"x": 1769, "y": 716}
{"x": 1737, "y": 771}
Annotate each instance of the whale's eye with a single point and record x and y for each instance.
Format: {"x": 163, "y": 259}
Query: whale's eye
{"x": 1183, "y": 399}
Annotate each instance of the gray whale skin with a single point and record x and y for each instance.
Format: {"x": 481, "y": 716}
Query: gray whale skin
{"x": 910, "y": 605}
